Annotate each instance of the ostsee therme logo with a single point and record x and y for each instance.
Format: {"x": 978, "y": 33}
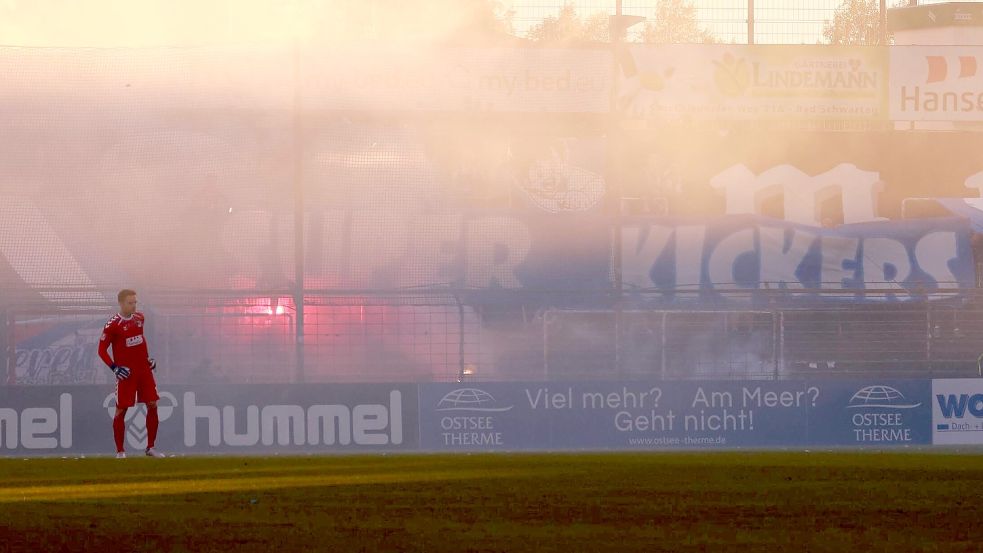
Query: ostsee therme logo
{"x": 880, "y": 396}
{"x": 470, "y": 399}
{"x": 469, "y": 418}
{"x": 879, "y": 415}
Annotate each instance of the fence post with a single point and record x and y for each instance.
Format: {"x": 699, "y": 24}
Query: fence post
{"x": 460, "y": 338}
{"x": 929, "y": 336}
{"x": 780, "y": 364}
{"x": 662, "y": 371}
{"x": 9, "y": 349}
{"x": 618, "y": 343}
{"x": 4, "y": 344}
{"x": 547, "y": 320}
{"x": 775, "y": 338}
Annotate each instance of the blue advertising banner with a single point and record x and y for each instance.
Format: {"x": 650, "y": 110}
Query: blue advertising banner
{"x": 872, "y": 413}
{"x": 739, "y": 258}
{"x": 226, "y": 418}
{"x": 513, "y": 416}
{"x": 907, "y": 259}
{"x": 57, "y": 350}
{"x": 672, "y": 414}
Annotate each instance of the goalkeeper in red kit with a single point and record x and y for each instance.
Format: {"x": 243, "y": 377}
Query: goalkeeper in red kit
{"x": 133, "y": 368}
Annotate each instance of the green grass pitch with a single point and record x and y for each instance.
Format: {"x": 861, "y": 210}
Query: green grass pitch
{"x": 711, "y": 501}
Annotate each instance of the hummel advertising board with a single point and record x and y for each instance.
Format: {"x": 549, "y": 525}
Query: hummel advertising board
{"x": 52, "y": 420}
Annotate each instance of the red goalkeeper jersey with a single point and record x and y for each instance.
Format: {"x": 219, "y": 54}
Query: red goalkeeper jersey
{"x": 125, "y": 335}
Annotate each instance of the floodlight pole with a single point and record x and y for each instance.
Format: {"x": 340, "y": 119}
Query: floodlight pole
{"x": 615, "y": 140}
{"x": 750, "y": 21}
{"x": 882, "y": 34}
{"x": 298, "y": 159}
{"x": 618, "y": 26}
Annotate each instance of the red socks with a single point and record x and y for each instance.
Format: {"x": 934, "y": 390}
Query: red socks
{"x": 152, "y": 423}
{"x": 119, "y": 429}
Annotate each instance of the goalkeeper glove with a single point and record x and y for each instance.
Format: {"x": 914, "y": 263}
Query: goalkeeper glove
{"x": 121, "y": 372}
{"x": 153, "y": 364}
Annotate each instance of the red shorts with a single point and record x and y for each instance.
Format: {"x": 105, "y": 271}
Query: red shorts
{"x": 140, "y": 387}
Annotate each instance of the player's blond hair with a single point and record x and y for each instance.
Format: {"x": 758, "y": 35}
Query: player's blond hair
{"x": 125, "y": 293}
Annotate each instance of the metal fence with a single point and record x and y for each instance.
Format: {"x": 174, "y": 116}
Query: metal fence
{"x": 243, "y": 338}
{"x": 882, "y": 341}
{"x": 442, "y": 336}
{"x": 727, "y": 21}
